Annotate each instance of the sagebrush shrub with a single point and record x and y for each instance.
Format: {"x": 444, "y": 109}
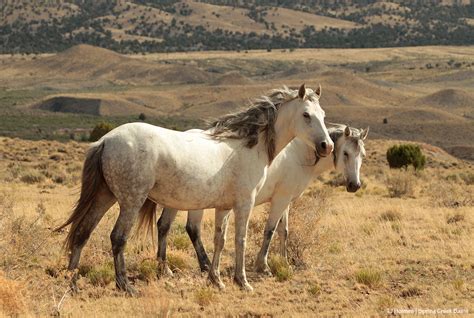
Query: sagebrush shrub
{"x": 99, "y": 130}
{"x": 305, "y": 215}
{"x": 402, "y": 156}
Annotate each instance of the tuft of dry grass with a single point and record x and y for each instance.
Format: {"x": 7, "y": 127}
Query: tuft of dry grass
{"x": 401, "y": 184}
{"x": 305, "y": 214}
{"x": 31, "y": 176}
{"x": 369, "y": 277}
{"x": 280, "y": 268}
{"x": 391, "y": 216}
{"x": 178, "y": 261}
{"x": 451, "y": 195}
{"x": 314, "y": 289}
{"x": 204, "y": 296}
{"x": 412, "y": 291}
{"x": 12, "y": 302}
{"x": 179, "y": 238}
{"x": 455, "y": 218}
{"x": 458, "y": 284}
{"x": 147, "y": 269}
{"x": 102, "y": 275}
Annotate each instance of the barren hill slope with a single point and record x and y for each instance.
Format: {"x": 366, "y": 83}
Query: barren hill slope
{"x": 89, "y": 62}
{"x": 454, "y": 100}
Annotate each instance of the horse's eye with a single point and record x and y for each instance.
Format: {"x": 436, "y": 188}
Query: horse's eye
{"x": 306, "y": 115}
{"x": 346, "y": 155}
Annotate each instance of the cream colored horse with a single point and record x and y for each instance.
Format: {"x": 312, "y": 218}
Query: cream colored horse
{"x": 140, "y": 165}
{"x": 288, "y": 176}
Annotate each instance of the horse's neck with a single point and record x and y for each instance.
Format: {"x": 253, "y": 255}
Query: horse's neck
{"x": 284, "y": 128}
{"x": 323, "y": 165}
{"x": 307, "y": 156}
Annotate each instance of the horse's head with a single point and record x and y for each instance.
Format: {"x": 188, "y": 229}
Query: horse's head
{"x": 349, "y": 154}
{"x": 309, "y": 123}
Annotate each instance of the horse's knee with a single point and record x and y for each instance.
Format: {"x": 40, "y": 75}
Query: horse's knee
{"x": 118, "y": 242}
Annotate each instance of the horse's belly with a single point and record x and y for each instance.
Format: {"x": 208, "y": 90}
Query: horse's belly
{"x": 190, "y": 195}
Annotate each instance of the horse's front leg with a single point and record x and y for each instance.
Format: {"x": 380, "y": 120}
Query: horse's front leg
{"x": 242, "y": 214}
{"x": 279, "y": 207}
{"x": 283, "y": 234}
{"x": 164, "y": 224}
{"x": 193, "y": 227}
{"x": 220, "y": 233}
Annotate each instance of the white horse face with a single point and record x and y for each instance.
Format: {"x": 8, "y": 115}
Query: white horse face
{"x": 309, "y": 122}
{"x": 350, "y": 153}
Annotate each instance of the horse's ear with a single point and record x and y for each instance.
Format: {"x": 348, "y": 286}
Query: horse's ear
{"x": 347, "y": 131}
{"x": 364, "y": 133}
{"x": 318, "y": 91}
{"x": 302, "y": 91}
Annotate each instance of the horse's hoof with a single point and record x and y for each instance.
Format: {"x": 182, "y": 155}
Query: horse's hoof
{"x": 205, "y": 268}
{"x": 132, "y": 292}
{"x": 264, "y": 269}
{"x": 247, "y": 287}
{"x": 164, "y": 270}
{"x": 216, "y": 280}
{"x": 74, "y": 288}
{"x": 244, "y": 285}
{"x": 124, "y": 285}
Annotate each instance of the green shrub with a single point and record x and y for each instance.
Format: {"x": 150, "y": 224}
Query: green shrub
{"x": 99, "y": 130}
{"x": 402, "y": 156}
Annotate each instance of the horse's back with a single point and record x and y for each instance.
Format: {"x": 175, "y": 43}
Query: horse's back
{"x": 176, "y": 167}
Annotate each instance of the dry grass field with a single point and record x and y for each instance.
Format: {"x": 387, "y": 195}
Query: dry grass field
{"x": 403, "y": 241}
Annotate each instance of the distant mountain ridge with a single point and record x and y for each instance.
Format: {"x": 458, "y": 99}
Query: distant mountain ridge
{"x": 169, "y": 25}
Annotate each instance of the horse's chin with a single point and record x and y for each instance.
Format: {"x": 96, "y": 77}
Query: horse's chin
{"x": 318, "y": 155}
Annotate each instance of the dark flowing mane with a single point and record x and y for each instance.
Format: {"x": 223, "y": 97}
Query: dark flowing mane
{"x": 260, "y": 117}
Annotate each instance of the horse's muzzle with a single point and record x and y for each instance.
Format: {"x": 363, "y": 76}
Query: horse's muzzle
{"x": 324, "y": 149}
{"x": 353, "y": 186}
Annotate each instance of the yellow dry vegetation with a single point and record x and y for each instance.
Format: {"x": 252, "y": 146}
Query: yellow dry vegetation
{"x": 350, "y": 253}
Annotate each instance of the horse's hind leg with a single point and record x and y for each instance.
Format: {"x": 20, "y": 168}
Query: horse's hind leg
{"x": 120, "y": 233}
{"x": 193, "y": 227}
{"x": 164, "y": 224}
{"x": 278, "y": 209}
{"x": 103, "y": 201}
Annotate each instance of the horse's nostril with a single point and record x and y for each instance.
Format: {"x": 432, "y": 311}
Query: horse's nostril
{"x": 324, "y": 145}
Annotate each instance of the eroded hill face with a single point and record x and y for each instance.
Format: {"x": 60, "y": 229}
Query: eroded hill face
{"x": 423, "y": 94}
